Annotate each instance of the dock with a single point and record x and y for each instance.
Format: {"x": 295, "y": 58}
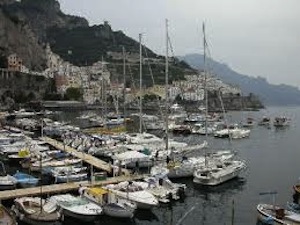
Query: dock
{"x": 97, "y": 163}
{"x": 62, "y": 188}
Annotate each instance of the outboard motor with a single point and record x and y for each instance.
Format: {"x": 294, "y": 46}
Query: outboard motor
{"x": 160, "y": 181}
{"x": 180, "y": 192}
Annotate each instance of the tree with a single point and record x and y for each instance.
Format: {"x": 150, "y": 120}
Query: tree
{"x": 73, "y": 93}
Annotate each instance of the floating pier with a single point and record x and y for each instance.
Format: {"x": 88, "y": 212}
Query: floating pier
{"x": 62, "y": 188}
{"x": 98, "y": 163}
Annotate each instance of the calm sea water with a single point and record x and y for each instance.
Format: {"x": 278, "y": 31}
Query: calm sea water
{"x": 273, "y": 159}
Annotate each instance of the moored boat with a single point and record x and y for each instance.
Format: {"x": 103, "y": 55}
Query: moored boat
{"x": 77, "y": 207}
{"x": 25, "y": 180}
{"x": 218, "y": 172}
{"x": 281, "y": 121}
{"x": 36, "y": 211}
{"x": 272, "y": 214}
{"x": 134, "y": 193}
{"x": 113, "y": 205}
{"x": 7, "y": 181}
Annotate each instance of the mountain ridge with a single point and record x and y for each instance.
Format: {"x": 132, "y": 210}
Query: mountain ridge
{"x": 270, "y": 94}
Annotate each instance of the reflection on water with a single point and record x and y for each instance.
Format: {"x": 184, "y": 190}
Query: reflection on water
{"x": 233, "y": 185}
{"x": 147, "y": 215}
{"x": 272, "y": 157}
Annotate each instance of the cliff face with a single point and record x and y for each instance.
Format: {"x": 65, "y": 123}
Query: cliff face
{"x": 23, "y": 28}
{"x": 21, "y": 88}
{"x": 27, "y": 26}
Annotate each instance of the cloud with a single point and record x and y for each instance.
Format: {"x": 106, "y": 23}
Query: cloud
{"x": 256, "y": 37}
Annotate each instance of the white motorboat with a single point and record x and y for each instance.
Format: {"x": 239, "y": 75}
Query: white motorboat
{"x": 112, "y": 205}
{"x": 187, "y": 166}
{"x": 36, "y": 166}
{"x": 249, "y": 122}
{"x": 272, "y": 214}
{"x": 265, "y": 121}
{"x": 77, "y": 207}
{"x": 127, "y": 190}
{"x": 7, "y": 181}
{"x": 216, "y": 173}
{"x": 130, "y": 159}
{"x": 36, "y": 211}
{"x": 142, "y": 138}
{"x": 68, "y": 174}
{"x": 232, "y": 131}
{"x": 64, "y": 178}
{"x": 281, "y": 121}
{"x": 164, "y": 189}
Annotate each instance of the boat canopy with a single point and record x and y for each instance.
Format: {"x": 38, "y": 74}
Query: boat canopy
{"x": 97, "y": 191}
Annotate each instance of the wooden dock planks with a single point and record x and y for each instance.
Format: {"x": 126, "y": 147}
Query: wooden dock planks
{"x": 98, "y": 163}
{"x": 62, "y": 188}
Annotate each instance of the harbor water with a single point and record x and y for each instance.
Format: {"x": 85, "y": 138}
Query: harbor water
{"x": 273, "y": 160}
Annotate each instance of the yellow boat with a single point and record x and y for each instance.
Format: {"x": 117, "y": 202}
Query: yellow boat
{"x": 112, "y": 205}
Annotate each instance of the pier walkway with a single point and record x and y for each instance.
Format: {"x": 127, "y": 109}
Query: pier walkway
{"x": 98, "y": 163}
{"x": 62, "y": 188}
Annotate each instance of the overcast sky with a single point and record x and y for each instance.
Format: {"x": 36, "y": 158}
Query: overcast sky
{"x": 253, "y": 37}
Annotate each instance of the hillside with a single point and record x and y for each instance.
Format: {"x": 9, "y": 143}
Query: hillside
{"x": 269, "y": 94}
{"x": 27, "y": 26}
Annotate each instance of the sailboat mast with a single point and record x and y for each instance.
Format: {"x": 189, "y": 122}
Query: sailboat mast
{"x": 104, "y": 92}
{"x": 140, "y": 39}
{"x": 167, "y": 87}
{"x": 205, "y": 85}
{"x": 41, "y": 185}
{"x": 124, "y": 82}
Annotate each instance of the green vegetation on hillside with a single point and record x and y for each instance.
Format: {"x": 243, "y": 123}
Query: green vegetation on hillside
{"x": 86, "y": 45}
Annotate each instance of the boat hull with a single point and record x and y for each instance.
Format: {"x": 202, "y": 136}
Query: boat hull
{"x": 118, "y": 213}
{"x": 269, "y": 214}
{"x": 7, "y": 187}
{"x": 86, "y": 218}
{"x": 37, "y": 222}
{"x": 32, "y": 220}
{"x": 212, "y": 181}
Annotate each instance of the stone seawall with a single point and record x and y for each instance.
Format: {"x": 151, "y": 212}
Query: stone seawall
{"x": 22, "y": 87}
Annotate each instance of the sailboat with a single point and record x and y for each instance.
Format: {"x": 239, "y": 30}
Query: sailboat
{"x": 6, "y": 181}
{"x": 215, "y": 172}
{"x": 183, "y": 166}
{"x": 77, "y": 207}
{"x": 36, "y": 210}
{"x": 112, "y": 205}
